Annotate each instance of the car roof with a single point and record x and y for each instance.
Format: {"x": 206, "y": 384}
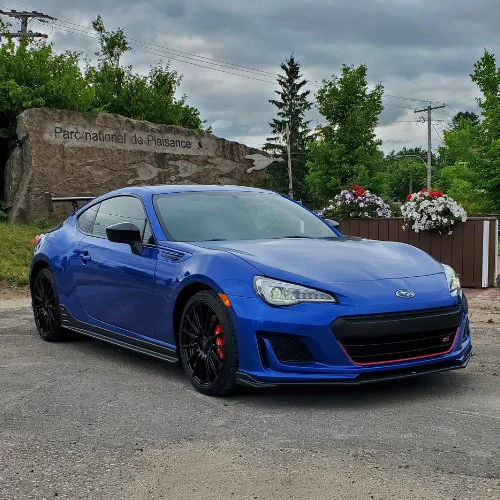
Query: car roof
{"x": 184, "y": 188}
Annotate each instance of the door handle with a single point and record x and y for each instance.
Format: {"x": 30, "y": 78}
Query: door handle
{"x": 85, "y": 257}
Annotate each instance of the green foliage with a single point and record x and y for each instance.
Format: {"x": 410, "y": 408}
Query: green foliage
{"x": 405, "y": 173}
{"x": 346, "y": 151}
{"x": 16, "y": 251}
{"x": 292, "y": 106}
{"x": 472, "y": 149}
{"x": 34, "y": 75}
{"x": 3, "y": 210}
{"x": 468, "y": 116}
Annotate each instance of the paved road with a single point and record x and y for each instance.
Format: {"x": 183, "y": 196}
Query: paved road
{"x": 83, "y": 419}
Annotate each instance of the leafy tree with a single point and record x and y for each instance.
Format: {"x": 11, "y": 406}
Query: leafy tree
{"x": 292, "y": 105}
{"x": 119, "y": 90}
{"x": 472, "y": 149}
{"x": 32, "y": 75}
{"x": 472, "y": 118}
{"x": 487, "y": 77}
{"x": 346, "y": 151}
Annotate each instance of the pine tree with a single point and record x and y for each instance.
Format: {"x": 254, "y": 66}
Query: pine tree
{"x": 292, "y": 106}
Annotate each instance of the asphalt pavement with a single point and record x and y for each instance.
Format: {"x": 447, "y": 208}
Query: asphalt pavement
{"x": 86, "y": 420}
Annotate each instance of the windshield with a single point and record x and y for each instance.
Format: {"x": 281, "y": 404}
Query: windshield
{"x": 235, "y": 215}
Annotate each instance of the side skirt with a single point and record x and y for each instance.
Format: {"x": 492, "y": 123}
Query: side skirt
{"x": 140, "y": 346}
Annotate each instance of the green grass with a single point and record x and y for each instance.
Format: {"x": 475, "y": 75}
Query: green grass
{"x": 16, "y": 251}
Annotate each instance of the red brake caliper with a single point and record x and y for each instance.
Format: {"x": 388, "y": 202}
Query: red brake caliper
{"x": 219, "y": 340}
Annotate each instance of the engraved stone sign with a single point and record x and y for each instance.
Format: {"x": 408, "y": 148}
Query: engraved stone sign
{"x": 80, "y": 154}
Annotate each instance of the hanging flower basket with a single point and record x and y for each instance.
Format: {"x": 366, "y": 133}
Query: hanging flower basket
{"x": 424, "y": 211}
{"x": 356, "y": 203}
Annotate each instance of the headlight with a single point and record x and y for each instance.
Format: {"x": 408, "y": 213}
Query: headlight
{"x": 452, "y": 278}
{"x": 280, "y": 293}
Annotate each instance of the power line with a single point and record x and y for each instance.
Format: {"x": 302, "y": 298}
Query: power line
{"x": 191, "y": 55}
{"x": 216, "y": 62}
{"x": 446, "y": 112}
{"x": 158, "y": 53}
{"x": 438, "y": 134}
{"x": 18, "y": 4}
{"x": 161, "y": 54}
{"x": 406, "y": 98}
{"x": 185, "y": 59}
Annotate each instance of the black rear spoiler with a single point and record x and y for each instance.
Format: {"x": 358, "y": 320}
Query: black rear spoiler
{"x": 49, "y": 200}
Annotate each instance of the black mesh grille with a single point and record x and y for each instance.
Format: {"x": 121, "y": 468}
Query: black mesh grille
{"x": 286, "y": 348}
{"x": 392, "y": 337}
{"x": 392, "y": 348}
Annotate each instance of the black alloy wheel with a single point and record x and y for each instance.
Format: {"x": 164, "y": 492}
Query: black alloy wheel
{"x": 207, "y": 344}
{"x": 46, "y": 306}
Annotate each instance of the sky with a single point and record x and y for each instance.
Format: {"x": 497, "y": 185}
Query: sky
{"x": 229, "y": 53}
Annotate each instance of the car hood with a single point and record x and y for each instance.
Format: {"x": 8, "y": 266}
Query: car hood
{"x": 332, "y": 260}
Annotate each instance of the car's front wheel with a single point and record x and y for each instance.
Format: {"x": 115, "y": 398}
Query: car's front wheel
{"x": 207, "y": 344}
{"x": 46, "y": 306}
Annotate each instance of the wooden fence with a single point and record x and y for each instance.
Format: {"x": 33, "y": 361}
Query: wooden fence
{"x": 472, "y": 249}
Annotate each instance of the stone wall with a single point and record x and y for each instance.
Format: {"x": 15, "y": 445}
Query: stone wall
{"x": 75, "y": 154}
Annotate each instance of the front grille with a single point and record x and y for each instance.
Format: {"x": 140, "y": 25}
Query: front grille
{"x": 286, "y": 348}
{"x": 399, "y": 347}
{"x": 382, "y": 338}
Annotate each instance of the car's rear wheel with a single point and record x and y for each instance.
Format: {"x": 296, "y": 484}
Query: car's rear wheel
{"x": 46, "y": 306}
{"x": 207, "y": 344}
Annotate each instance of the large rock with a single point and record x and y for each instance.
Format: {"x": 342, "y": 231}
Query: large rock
{"x": 75, "y": 154}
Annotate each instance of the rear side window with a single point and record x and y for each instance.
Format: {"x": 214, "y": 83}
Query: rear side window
{"x": 87, "y": 218}
{"x": 120, "y": 209}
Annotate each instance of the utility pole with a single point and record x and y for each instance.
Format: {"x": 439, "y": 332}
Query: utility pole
{"x": 429, "y": 110}
{"x": 24, "y": 17}
{"x": 290, "y": 184}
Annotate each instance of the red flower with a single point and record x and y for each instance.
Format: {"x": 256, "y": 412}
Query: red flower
{"x": 423, "y": 190}
{"x": 358, "y": 190}
{"x": 436, "y": 194}
{"x": 408, "y": 198}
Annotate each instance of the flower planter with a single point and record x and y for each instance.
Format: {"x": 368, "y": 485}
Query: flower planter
{"x": 471, "y": 249}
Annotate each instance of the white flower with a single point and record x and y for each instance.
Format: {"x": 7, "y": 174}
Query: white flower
{"x": 424, "y": 212}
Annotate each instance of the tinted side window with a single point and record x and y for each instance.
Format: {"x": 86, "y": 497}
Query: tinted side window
{"x": 87, "y": 218}
{"x": 119, "y": 209}
{"x": 148, "y": 237}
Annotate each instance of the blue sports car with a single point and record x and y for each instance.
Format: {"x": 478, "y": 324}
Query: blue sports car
{"x": 245, "y": 286}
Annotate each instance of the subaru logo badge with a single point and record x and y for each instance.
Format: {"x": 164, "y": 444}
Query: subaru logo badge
{"x": 405, "y": 294}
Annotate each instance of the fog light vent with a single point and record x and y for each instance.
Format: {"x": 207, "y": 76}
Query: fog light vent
{"x": 286, "y": 348}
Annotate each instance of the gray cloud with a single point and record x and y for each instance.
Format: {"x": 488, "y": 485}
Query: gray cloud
{"x": 421, "y": 49}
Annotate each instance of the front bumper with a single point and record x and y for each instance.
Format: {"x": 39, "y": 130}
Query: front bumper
{"x": 362, "y": 378}
{"x": 262, "y": 364}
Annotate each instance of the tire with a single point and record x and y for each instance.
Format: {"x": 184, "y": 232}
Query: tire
{"x": 45, "y": 302}
{"x": 207, "y": 345}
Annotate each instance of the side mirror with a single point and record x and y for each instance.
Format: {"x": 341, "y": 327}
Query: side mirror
{"x": 126, "y": 232}
{"x": 331, "y": 222}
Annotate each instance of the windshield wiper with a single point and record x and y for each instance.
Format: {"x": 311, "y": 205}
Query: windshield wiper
{"x": 306, "y": 237}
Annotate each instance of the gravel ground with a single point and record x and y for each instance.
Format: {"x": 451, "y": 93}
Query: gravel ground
{"x": 83, "y": 420}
